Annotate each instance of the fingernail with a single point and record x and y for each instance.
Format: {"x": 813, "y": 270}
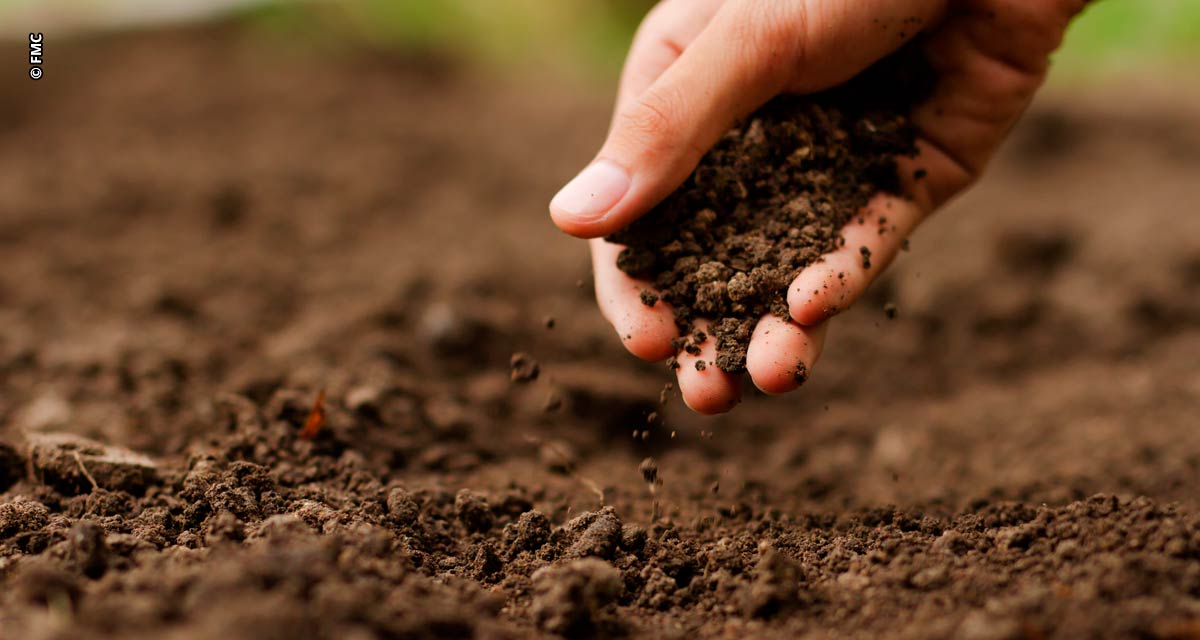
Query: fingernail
{"x": 589, "y": 196}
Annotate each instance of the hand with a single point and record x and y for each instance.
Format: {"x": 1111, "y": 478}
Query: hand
{"x": 698, "y": 66}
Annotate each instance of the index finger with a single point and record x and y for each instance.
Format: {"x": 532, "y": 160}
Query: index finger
{"x": 665, "y": 32}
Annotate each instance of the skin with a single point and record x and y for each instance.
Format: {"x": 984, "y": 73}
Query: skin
{"x": 697, "y": 66}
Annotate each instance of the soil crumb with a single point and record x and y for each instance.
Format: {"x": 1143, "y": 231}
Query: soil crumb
{"x": 649, "y": 470}
{"x": 524, "y": 368}
{"x": 771, "y": 198}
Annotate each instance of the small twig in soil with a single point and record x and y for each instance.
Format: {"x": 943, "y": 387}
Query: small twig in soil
{"x": 86, "y": 474}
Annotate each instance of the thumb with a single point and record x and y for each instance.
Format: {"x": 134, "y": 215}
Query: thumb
{"x": 657, "y": 139}
{"x": 749, "y": 52}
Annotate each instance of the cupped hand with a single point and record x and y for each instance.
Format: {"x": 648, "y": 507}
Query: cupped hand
{"x": 698, "y": 66}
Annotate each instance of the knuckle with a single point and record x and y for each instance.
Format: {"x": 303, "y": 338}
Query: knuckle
{"x": 657, "y": 29}
{"x": 652, "y": 23}
{"x": 773, "y": 36}
{"x": 654, "y": 118}
{"x": 784, "y": 27}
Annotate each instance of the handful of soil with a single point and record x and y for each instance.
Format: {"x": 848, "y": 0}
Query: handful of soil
{"x": 769, "y": 199}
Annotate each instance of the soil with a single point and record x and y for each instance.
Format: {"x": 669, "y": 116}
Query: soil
{"x": 194, "y": 252}
{"x": 771, "y": 198}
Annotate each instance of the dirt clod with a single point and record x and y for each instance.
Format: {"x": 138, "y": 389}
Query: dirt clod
{"x": 21, "y": 516}
{"x": 523, "y": 367}
{"x": 598, "y": 534}
{"x": 486, "y": 563}
{"x": 776, "y": 588}
{"x": 473, "y": 511}
{"x": 89, "y": 548}
{"x": 800, "y": 373}
{"x": 649, "y": 470}
{"x": 402, "y": 509}
{"x": 74, "y": 464}
{"x": 532, "y": 531}
{"x": 569, "y": 598}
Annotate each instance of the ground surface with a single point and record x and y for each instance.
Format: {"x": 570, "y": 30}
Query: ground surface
{"x": 199, "y": 233}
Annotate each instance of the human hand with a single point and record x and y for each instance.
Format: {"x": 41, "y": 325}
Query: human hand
{"x": 698, "y": 66}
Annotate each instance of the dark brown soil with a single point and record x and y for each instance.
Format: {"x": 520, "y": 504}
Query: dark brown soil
{"x": 769, "y": 199}
{"x": 195, "y": 251}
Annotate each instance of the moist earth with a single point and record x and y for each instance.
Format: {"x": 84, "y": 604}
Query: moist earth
{"x": 204, "y": 249}
{"x": 771, "y": 198}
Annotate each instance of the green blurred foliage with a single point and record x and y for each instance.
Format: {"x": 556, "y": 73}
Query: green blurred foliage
{"x": 1120, "y": 36}
{"x": 587, "y": 35}
{"x": 593, "y": 35}
{"x": 511, "y": 31}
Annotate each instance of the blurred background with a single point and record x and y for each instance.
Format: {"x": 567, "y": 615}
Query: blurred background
{"x": 1115, "y": 37}
{"x": 275, "y": 176}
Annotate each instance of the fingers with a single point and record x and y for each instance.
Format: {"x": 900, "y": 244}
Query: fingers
{"x": 872, "y": 240}
{"x": 663, "y": 35}
{"x": 779, "y": 358}
{"x": 645, "y": 331}
{"x": 782, "y": 353}
{"x": 658, "y": 137}
{"x": 748, "y": 52}
{"x": 990, "y": 59}
{"x": 704, "y": 387}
